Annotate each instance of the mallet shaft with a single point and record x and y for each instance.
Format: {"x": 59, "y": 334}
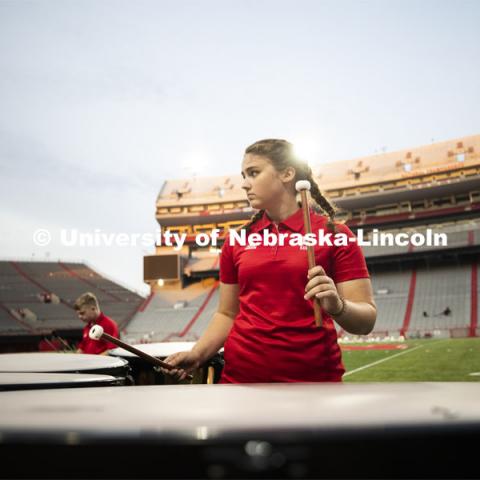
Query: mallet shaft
{"x": 310, "y": 254}
{"x": 136, "y": 351}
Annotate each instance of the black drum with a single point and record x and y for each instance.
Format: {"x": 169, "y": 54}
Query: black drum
{"x": 144, "y": 373}
{"x": 291, "y": 431}
{"x": 35, "y": 381}
{"x": 65, "y": 363}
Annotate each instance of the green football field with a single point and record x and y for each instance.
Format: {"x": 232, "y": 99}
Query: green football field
{"x": 429, "y": 360}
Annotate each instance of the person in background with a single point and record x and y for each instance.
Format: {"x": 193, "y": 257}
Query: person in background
{"x": 88, "y": 311}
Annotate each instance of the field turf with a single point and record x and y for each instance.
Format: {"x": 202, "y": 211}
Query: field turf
{"x": 429, "y": 360}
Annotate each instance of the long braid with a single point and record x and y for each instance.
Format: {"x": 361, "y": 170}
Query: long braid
{"x": 326, "y": 206}
{"x": 255, "y": 217}
{"x": 304, "y": 172}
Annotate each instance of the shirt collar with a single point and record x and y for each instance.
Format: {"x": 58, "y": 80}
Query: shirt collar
{"x": 95, "y": 322}
{"x": 294, "y": 222}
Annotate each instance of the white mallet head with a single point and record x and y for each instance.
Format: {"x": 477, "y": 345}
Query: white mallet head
{"x": 302, "y": 185}
{"x": 96, "y": 332}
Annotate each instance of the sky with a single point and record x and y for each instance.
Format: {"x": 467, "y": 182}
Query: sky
{"x": 103, "y": 101}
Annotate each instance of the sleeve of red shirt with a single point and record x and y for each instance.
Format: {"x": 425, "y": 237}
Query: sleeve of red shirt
{"x": 228, "y": 269}
{"x": 348, "y": 261}
{"x": 96, "y": 347}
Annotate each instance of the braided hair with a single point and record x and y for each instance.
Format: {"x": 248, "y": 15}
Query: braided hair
{"x": 282, "y": 155}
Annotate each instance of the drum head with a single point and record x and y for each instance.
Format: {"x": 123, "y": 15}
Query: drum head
{"x": 62, "y": 363}
{"x": 33, "y": 381}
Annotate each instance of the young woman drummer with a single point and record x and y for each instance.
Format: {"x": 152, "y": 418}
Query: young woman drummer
{"x": 265, "y": 318}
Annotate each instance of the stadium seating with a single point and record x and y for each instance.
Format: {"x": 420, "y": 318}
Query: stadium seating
{"x": 391, "y": 306}
{"x": 24, "y": 284}
{"x": 203, "y": 319}
{"x": 9, "y": 325}
{"x": 436, "y": 289}
{"x": 161, "y": 321}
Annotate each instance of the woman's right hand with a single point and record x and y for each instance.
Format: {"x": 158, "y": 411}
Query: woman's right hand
{"x": 185, "y": 363}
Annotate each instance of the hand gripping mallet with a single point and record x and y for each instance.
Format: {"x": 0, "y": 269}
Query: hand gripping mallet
{"x": 303, "y": 186}
{"x": 97, "y": 333}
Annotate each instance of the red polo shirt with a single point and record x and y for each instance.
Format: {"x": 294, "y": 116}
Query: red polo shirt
{"x": 274, "y": 337}
{"x": 98, "y": 346}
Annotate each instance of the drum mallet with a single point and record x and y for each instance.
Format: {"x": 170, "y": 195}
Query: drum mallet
{"x": 303, "y": 186}
{"x": 97, "y": 333}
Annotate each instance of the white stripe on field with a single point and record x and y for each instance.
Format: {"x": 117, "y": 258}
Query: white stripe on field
{"x": 381, "y": 361}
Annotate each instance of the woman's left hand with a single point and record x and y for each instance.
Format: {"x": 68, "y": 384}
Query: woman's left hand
{"x": 323, "y": 288}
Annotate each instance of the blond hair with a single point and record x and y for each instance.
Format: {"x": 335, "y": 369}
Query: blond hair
{"x": 87, "y": 299}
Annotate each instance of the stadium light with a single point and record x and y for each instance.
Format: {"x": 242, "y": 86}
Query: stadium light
{"x": 196, "y": 163}
{"x": 307, "y": 149}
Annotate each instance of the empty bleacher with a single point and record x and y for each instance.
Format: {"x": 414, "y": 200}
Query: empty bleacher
{"x": 9, "y": 325}
{"x": 201, "y": 322}
{"x": 174, "y": 315}
{"x": 170, "y": 312}
{"x": 391, "y": 296}
{"x": 16, "y": 293}
{"x": 436, "y": 289}
{"x": 441, "y": 300}
{"x": 23, "y": 285}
